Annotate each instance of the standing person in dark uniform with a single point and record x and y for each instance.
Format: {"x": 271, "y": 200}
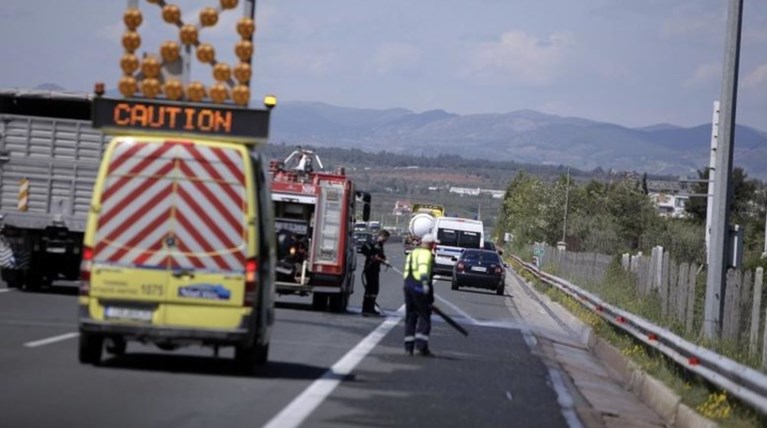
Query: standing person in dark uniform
{"x": 374, "y": 257}
{"x": 419, "y": 297}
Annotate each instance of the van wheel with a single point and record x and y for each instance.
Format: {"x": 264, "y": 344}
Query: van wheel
{"x": 116, "y": 346}
{"x": 249, "y": 359}
{"x": 319, "y": 301}
{"x": 90, "y": 348}
{"x": 338, "y": 302}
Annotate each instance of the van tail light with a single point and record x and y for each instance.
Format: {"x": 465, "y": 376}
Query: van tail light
{"x": 251, "y": 281}
{"x": 85, "y": 271}
{"x": 460, "y": 266}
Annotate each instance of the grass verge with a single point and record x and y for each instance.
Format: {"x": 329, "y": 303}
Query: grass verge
{"x": 695, "y": 392}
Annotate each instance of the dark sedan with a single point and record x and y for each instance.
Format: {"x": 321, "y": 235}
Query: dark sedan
{"x": 479, "y": 269}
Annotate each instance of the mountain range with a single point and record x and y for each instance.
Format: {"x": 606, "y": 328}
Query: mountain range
{"x": 524, "y": 136}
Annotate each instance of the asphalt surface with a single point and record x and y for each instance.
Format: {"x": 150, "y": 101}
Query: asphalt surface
{"x": 493, "y": 377}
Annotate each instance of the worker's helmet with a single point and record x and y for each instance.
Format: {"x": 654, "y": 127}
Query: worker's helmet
{"x": 428, "y": 238}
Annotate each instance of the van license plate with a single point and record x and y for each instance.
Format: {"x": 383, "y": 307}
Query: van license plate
{"x": 132, "y": 314}
{"x": 479, "y": 269}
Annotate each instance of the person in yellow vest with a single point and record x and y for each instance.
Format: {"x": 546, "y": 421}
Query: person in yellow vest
{"x": 419, "y": 297}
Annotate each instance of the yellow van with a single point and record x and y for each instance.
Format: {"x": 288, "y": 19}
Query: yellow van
{"x": 178, "y": 249}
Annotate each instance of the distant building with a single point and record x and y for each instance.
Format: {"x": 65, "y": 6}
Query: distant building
{"x": 401, "y": 208}
{"x": 496, "y": 194}
{"x": 670, "y": 205}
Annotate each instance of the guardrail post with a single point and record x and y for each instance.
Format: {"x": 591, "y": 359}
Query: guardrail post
{"x": 756, "y": 310}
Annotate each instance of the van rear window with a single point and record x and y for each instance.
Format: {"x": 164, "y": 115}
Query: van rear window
{"x": 458, "y": 238}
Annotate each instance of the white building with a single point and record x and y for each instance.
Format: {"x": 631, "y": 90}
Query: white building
{"x": 669, "y": 205}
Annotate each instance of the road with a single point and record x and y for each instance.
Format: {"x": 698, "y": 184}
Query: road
{"x": 325, "y": 370}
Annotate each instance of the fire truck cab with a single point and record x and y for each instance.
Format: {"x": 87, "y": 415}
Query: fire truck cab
{"x": 314, "y": 221}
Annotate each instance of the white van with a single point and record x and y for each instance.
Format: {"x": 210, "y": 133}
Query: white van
{"x": 453, "y": 235}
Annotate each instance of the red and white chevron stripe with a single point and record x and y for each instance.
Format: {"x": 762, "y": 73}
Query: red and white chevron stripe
{"x": 173, "y": 204}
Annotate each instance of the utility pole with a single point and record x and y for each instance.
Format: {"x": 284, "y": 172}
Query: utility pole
{"x": 711, "y": 175}
{"x": 720, "y": 218}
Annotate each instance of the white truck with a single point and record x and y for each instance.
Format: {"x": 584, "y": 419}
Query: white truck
{"x": 49, "y": 158}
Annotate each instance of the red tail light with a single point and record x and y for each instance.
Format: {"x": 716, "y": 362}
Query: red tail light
{"x": 85, "y": 271}
{"x": 460, "y": 266}
{"x": 251, "y": 281}
{"x": 498, "y": 270}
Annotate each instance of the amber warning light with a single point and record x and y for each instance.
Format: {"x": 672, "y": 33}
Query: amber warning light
{"x": 228, "y": 123}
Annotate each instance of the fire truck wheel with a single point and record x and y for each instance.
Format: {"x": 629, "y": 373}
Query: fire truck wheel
{"x": 338, "y": 302}
{"x": 13, "y": 278}
{"x": 319, "y": 301}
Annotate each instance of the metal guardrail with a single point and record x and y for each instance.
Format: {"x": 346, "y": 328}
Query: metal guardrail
{"x": 745, "y": 383}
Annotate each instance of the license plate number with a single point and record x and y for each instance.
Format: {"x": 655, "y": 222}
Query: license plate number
{"x": 131, "y": 314}
{"x": 479, "y": 269}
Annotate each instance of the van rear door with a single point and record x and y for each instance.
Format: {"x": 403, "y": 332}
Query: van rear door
{"x": 172, "y": 225}
{"x": 208, "y": 257}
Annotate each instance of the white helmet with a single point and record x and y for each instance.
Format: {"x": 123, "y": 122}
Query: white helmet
{"x": 428, "y": 238}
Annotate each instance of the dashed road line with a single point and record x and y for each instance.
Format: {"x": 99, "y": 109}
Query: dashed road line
{"x": 49, "y": 340}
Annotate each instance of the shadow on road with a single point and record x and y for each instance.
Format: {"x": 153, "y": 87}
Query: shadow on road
{"x": 482, "y": 291}
{"x": 209, "y": 366}
{"x": 61, "y": 290}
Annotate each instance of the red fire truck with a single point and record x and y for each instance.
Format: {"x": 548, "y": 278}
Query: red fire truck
{"x": 314, "y": 212}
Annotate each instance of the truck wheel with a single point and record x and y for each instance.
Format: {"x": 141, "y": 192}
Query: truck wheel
{"x": 13, "y": 278}
{"x": 90, "y": 348}
{"x": 249, "y": 359}
{"x": 338, "y": 302}
{"x": 319, "y": 301}
{"x": 33, "y": 279}
{"x": 116, "y": 346}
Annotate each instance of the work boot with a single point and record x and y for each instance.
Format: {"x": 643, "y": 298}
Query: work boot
{"x": 425, "y": 353}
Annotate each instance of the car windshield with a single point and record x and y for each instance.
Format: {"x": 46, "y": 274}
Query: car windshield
{"x": 483, "y": 256}
{"x": 459, "y": 238}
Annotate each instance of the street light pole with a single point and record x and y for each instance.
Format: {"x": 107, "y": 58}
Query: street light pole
{"x": 567, "y": 203}
{"x": 717, "y": 266}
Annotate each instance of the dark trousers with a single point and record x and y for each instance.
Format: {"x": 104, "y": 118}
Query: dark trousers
{"x": 371, "y": 291}
{"x": 417, "y": 319}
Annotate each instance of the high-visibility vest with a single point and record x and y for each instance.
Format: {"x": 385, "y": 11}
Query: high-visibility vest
{"x": 418, "y": 265}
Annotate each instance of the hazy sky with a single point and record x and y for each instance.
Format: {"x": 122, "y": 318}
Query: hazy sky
{"x": 632, "y": 62}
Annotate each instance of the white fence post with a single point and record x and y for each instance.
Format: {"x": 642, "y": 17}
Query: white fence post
{"x": 756, "y": 310}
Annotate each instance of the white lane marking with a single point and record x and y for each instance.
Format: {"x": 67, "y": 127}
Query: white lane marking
{"x": 564, "y": 399}
{"x": 54, "y": 339}
{"x": 508, "y": 395}
{"x": 459, "y": 310}
{"x": 302, "y": 406}
{"x": 6, "y": 290}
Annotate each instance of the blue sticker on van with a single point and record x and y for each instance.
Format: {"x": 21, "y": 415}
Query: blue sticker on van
{"x": 205, "y": 291}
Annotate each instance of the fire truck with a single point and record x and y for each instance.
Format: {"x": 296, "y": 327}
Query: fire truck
{"x": 314, "y": 214}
